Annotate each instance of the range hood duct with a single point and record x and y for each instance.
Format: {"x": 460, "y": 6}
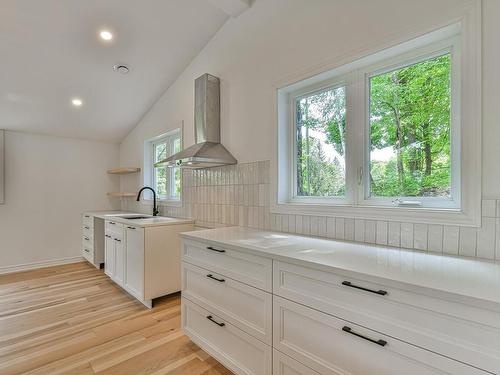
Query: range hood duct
{"x": 208, "y": 151}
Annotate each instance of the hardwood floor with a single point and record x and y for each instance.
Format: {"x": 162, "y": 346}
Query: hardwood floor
{"x": 72, "y": 319}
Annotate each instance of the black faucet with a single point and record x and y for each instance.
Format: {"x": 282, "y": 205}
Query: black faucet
{"x": 155, "y": 209}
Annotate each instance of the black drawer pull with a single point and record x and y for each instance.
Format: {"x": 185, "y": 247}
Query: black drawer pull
{"x": 378, "y": 342}
{"x": 210, "y": 276}
{"x": 379, "y": 292}
{"x": 214, "y": 249}
{"x": 87, "y": 228}
{"x": 116, "y": 239}
{"x": 86, "y": 238}
{"x": 112, "y": 223}
{"x": 87, "y": 250}
{"x": 210, "y": 317}
{"x": 131, "y": 227}
{"x": 107, "y": 236}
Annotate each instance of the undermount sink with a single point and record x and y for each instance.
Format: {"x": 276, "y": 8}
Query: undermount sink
{"x": 136, "y": 217}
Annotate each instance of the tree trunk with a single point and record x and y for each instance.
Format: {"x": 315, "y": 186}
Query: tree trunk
{"x": 427, "y": 150}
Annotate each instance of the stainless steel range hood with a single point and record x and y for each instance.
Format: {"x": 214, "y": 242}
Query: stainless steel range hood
{"x": 208, "y": 151}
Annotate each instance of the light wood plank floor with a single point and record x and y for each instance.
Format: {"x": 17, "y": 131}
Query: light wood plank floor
{"x": 72, "y": 319}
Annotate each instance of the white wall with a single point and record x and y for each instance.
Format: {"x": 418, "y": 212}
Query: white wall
{"x": 277, "y": 40}
{"x": 49, "y": 181}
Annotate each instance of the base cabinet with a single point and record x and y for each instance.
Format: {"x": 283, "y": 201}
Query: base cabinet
{"x": 93, "y": 239}
{"x": 237, "y": 350}
{"x": 320, "y": 325}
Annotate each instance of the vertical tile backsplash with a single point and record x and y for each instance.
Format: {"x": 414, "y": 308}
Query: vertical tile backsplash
{"x": 240, "y": 195}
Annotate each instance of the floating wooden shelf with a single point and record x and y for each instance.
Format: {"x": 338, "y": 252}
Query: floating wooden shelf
{"x": 125, "y": 170}
{"x": 121, "y": 194}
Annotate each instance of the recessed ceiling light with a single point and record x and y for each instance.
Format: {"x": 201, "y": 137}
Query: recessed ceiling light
{"x": 106, "y": 35}
{"x": 77, "y": 102}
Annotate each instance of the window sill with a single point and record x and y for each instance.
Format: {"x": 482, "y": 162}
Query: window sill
{"x": 443, "y": 216}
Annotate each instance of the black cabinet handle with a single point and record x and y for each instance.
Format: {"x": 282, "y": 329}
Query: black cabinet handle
{"x": 107, "y": 236}
{"x": 131, "y": 227}
{"x": 86, "y": 238}
{"x": 214, "y": 249}
{"x": 87, "y": 250}
{"x": 210, "y": 317}
{"x": 379, "y": 292}
{"x": 350, "y": 331}
{"x": 112, "y": 223}
{"x": 87, "y": 216}
{"x": 116, "y": 239}
{"x": 210, "y": 276}
{"x": 87, "y": 228}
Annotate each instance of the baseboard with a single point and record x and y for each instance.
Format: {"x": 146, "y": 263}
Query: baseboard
{"x": 43, "y": 264}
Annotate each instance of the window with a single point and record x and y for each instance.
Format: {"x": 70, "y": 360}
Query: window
{"x": 386, "y": 131}
{"x": 166, "y": 181}
{"x": 320, "y": 143}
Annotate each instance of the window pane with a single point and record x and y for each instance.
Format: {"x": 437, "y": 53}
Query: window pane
{"x": 410, "y": 130}
{"x": 160, "y": 151}
{"x": 161, "y": 181}
{"x": 320, "y": 143}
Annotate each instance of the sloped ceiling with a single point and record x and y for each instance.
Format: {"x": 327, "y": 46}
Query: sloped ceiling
{"x": 50, "y": 52}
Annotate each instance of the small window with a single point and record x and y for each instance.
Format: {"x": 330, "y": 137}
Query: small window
{"x": 410, "y": 138}
{"x": 166, "y": 181}
{"x": 320, "y": 143}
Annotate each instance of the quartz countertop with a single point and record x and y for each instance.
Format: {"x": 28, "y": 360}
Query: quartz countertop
{"x": 150, "y": 222}
{"x": 462, "y": 277}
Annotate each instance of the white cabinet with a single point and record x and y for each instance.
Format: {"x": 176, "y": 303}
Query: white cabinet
{"x": 92, "y": 239}
{"x": 145, "y": 261}
{"x": 134, "y": 261}
{"x": 109, "y": 258}
{"x": 326, "y": 321}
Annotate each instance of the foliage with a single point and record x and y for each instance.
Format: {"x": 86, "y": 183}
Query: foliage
{"x": 410, "y": 126}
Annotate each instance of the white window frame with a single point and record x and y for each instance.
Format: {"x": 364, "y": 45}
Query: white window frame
{"x": 150, "y": 171}
{"x": 463, "y": 38}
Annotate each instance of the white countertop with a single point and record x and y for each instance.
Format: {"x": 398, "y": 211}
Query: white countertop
{"x": 463, "y": 277}
{"x": 150, "y": 222}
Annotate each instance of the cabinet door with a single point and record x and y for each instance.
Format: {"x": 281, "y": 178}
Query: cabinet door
{"x": 134, "y": 261}
{"x": 109, "y": 255}
{"x": 119, "y": 261}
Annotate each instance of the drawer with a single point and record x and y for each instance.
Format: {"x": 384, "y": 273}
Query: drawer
{"x": 244, "y": 267}
{"x": 235, "y": 349}
{"x": 459, "y": 331}
{"x": 88, "y": 254}
{"x": 88, "y": 231}
{"x": 246, "y": 307}
{"x": 284, "y": 365}
{"x": 333, "y": 346}
{"x": 87, "y": 220}
{"x": 114, "y": 228}
{"x": 87, "y": 242}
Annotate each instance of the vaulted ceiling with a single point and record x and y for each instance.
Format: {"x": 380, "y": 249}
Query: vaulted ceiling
{"x": 51, "y": 52}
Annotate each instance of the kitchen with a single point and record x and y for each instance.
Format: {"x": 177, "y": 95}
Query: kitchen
{"x": 327, "y": 209}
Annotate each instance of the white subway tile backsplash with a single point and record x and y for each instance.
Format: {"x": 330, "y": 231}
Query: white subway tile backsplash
{"x": 382, "y": 230}
{"x": 435, "y": 238}
{"x": 451, "y": 237}
{"x": 394, "y": 234}
{"x": 467, "y": 244}
{"x": 486, "y": 239}
{"x": 488, "y": 208}
{"x": 240, "y": 195}
{"x": 349, "y": 229}
{"x": 339, "y": 228}
{"x": 359, "y": 230}
{"x": 407, "y": 235}
{"x": 420, "y": 232}
{"x": 370, "y": 231}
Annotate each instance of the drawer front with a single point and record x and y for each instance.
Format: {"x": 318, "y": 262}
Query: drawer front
{"x": 235, "y": 349}
{"x": 87, "y": 231}
{"x": 114, "y": 227}
{"x": 284, "y": 365}
{"x": 246, "y": 307}
{"x": 87, "y": 220}
{"x": 336, "y": 347}
{"x": 87, "y": 242}
{"x": 444, "y": 327}
{"x": 246, "y": 268}
{"x": 88, "y": 253}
